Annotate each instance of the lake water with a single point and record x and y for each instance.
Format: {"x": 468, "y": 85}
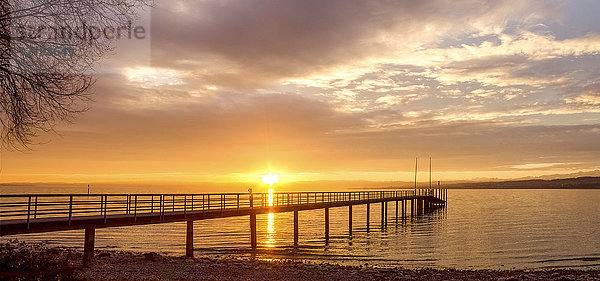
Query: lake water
{"x": 498, "y": 229}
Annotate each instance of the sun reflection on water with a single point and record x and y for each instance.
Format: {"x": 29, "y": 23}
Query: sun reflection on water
{"x": 270, "y": 195}
{"x": 270, "y": 241}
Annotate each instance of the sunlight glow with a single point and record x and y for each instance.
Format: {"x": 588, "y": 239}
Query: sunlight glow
{"x": 148, "y": 77}
{"x": 270, "y": 179}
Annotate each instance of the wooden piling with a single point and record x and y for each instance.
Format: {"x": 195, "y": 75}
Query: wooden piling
{"x": 189, "y": 239}
{"x": 386, "y": 213}
{"x": 326, "y": 224}
{"x": 295, "y": 228}
{"x": 253, "y": 231}
{"x": 396, "y": 211}
{"x": 403, "y": 209}
{"x": 88, "y": 246}
{"x": 350, "y": 220}
{"x": 368, "y": 216}
{"x": 382, "y": 214}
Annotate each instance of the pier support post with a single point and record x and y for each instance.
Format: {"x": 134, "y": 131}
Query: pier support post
{"x": 396, "y": 211}
{"x": 88, "y": 246}
{"x": 386, "y": 213}
{"x": 326, "y": 225}
{"x": 414, "y": 205}
{"x": 350, "y": 220}
{"x": 253, "y": 231}
{"x": 368, "y": 216}
{"x": 382, "y": 214}
{"x": 189, "y": 239}
{"x": 403, "y": 209}
{"x": 295, "y": 228}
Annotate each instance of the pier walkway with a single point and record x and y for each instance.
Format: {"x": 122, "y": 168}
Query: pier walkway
{"x": 35, "y": 213}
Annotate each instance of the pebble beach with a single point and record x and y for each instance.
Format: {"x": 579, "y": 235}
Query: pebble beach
{"x": 130, "y": 266}
{"x": 22, "y": 261}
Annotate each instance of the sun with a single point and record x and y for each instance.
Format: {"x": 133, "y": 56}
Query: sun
{"x": 270, "y": 179}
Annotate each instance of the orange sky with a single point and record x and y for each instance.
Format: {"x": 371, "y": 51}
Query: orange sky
{"x": 343, "y": 90}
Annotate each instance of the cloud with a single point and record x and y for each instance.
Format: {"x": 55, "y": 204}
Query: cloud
{"x": 328, "y": 87}
{"x": 589, "y": 98}
{"x": 256, "y": 42}
{"x": 153, "y": 77}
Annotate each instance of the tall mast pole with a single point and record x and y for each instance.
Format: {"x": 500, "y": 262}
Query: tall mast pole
{"x": 416, "y": 165}
{"x": 429, "y": 172}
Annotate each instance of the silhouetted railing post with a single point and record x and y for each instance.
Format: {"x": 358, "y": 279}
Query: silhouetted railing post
{"x": 35, "y": 210}
{"x": 28, "y": 210}
{"x": 70, "y": 209}
{"x": 105, "y": 206}
{"x": 135, "y": 209}
{"x": 152, "y": 204}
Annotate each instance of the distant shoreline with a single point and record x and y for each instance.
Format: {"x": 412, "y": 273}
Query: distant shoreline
{"x": 568, "y": 183}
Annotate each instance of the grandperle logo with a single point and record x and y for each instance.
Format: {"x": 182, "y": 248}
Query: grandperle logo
{"x": 51, "y": 38}
{"x": 94, "y": 46}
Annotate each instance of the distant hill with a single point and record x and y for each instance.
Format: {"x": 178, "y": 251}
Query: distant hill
{"x": 576, "y": 183}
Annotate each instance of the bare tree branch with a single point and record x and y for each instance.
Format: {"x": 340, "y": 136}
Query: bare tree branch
{"x": 46, "y": 49}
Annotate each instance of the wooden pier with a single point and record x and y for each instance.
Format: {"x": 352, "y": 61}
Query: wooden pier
{"x": 35, "y": 213}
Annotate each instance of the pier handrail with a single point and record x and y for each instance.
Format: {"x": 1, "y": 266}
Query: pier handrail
{"x": 32, "y": 207}
{"x": 31, "y": 213}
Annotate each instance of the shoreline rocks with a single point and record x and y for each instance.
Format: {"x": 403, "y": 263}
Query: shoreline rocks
{"x": 131, "y": 266}
{"x": 20, "y": 261}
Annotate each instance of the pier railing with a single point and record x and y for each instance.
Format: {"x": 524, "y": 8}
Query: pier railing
{"x": 30, "y": 213}
{"x": 39, "y": 206}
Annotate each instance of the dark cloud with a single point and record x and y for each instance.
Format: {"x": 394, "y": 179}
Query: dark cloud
{"x": 261, "y": 40}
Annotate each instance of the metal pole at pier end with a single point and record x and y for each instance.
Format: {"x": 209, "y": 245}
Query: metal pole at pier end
{"x": 416, "y": 168}
{"x": 430, "y": 173}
